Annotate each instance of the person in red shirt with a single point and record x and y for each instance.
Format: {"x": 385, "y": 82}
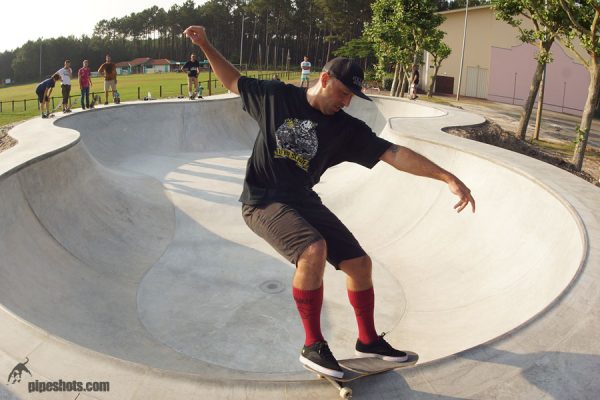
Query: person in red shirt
{"x": 85, "y": 82}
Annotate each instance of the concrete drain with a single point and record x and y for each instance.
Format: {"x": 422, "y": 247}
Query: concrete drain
{"x": 272, "y": 287}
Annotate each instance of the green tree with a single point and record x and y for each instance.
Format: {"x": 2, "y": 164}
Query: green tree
{"x": 356, "y": 48}
{"x": 387, "y": 32}
{"x": 398, "y": 30}
{"x": 280, "y": 27}
{"x": 6, "y": 71}
{"x": 439, "y": 51}
{"x": 549, "y": 23}
{"x": 585, "y": 17}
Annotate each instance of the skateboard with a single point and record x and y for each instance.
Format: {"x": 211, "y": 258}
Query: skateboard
{"x": 51, "y": 114}
{"x": 357, "y": 368}
{"x": 96, "y": 99}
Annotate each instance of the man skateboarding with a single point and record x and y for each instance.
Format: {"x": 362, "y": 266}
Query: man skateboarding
{"x": 302, "y": 133}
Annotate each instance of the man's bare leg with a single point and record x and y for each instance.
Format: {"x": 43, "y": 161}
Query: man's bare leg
{"x": 308, "y": 294}
{"x": 362, "y": 298}
{"x": 307, "y": 289}
{"x": 310, "y": 267}
{"x": 359, "y": 273}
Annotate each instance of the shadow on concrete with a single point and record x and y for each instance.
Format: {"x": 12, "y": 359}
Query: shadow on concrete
{"x": 561, "y": 375}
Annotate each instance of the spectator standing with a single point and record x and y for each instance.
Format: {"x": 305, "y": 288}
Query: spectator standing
{"x": 109, "y": 71}
{"x": 305, "y": 75}
{"x": 414, "y": 83}
{"x": 65, "y": 76}
{"x": 192, "y": 67}
{"x": 85, "y": 82}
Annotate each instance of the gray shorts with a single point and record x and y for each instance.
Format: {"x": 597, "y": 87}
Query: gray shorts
{"x": 291, "y": 229}
{"x": 110, "y": 85}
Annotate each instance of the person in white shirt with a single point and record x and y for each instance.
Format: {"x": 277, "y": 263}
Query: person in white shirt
{"x": 65, "y": 77}
{"x": 305, "y": 76}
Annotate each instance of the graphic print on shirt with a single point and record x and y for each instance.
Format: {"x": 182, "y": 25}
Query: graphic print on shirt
{"x": 297, "y": 140}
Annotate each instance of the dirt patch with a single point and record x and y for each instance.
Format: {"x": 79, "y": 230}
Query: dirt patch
{"x": 6, "y": 142}
{"x": 491, "y": 133}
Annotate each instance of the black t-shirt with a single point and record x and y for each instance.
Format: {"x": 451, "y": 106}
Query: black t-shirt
{"x": 192, "y": 67}
{"x": 297, "y": 143}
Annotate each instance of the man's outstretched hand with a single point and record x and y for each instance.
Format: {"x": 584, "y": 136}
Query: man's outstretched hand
{"x": 463, "y": 192}
{"x": 197, "y": 35}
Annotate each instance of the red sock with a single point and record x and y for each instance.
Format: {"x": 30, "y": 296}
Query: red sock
{"x": 364, "y": 308}
{"x": 309, "y": 303}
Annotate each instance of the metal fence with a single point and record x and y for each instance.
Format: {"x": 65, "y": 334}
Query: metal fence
{"x": 208, "y": 86}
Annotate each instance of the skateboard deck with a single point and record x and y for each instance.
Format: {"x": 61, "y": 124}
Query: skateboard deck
{"x": 357, "y": 368}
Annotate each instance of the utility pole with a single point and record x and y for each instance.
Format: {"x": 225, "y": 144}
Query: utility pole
{"x": 462, "y": 53}
{"x": 41, "y": 41}
{"x": 242, "y": 39}
{"x": 538, "y": 116}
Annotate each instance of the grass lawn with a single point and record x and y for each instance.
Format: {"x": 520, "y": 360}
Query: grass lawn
{"x": 163, "y": 85}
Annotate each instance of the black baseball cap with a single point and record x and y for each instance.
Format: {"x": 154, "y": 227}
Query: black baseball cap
{"x": 349, "y": 73}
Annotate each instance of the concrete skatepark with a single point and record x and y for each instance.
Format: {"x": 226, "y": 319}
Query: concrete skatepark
{"x": 125, "y": 259}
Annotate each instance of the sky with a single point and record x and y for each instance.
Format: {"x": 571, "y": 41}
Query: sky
{"x": 32, "y": 19}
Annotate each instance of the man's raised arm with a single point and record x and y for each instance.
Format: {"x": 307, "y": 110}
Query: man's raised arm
{"x": 225, "y": 72}
{"x": 404, "y": 159}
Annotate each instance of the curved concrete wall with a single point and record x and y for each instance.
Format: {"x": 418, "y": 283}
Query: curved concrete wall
{"x": 130, "y": 242}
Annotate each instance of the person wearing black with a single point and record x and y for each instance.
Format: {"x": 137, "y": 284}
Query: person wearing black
{"x": 303, "y": 132}
{"x": 192, "y": 67}
{"x": 414, "y": 83}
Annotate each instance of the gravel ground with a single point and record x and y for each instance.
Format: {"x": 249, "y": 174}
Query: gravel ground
{"x": 557, "y": 133}
{"x": 491, "y": 133}
{"x": 6, "y": 142}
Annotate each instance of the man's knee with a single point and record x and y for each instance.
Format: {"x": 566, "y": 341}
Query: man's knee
{"x": 360, "y": 267}
{"x": 316, "y": 252}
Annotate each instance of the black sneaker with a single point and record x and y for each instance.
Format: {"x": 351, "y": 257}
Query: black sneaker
{"x": 319, "y": 358}
{"x": 44, "y": 115}
{"x": 380, "y": 349}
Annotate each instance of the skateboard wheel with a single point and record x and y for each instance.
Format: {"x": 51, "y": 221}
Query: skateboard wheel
{"x": 346, "y": 393}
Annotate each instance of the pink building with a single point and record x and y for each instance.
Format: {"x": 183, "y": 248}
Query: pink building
{"x": 499, "y": 67}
